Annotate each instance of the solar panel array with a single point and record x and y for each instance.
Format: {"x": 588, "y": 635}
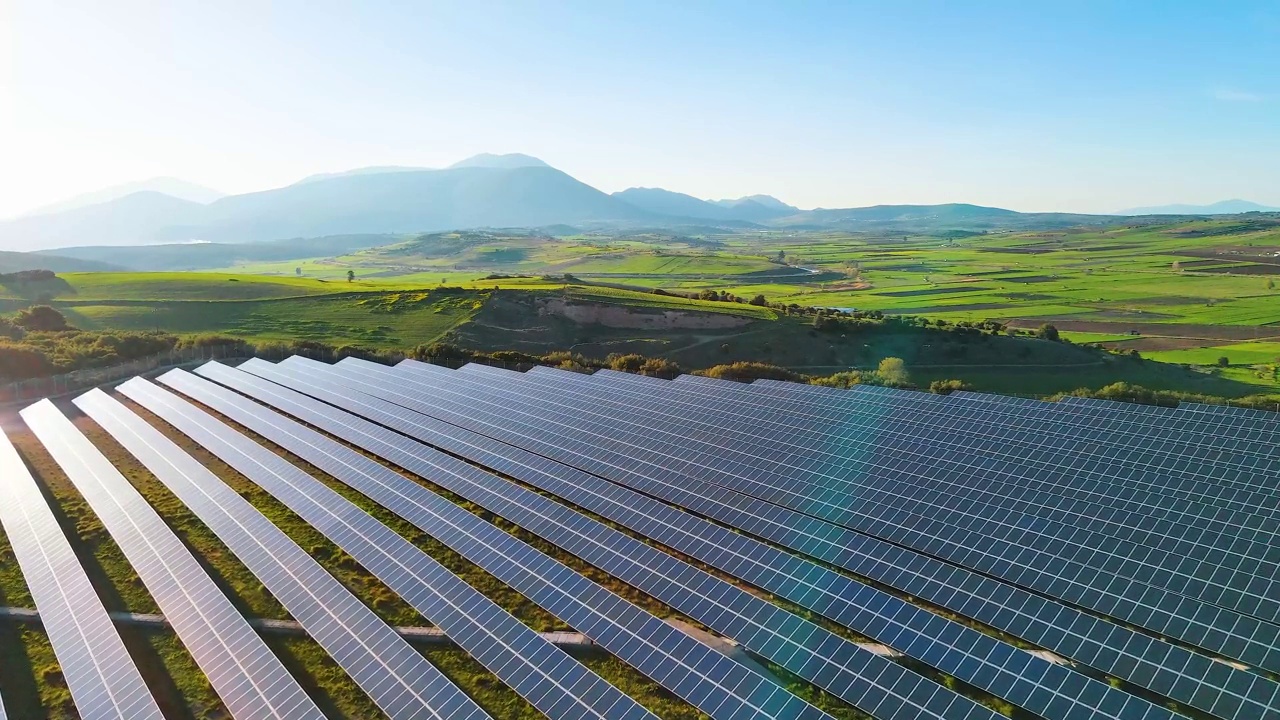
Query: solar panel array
{"x": 1075, "y": 560}
{"x": 251, "y": 681}
{"x": 398, "y": 679}
{"x": 103, "y": 680}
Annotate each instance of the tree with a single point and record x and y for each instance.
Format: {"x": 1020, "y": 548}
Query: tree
{"x": 41, "y": 317}
{"x": 893, "y": 371}
{"x": 782, "y": 256}
{"x": 351, "y": 275}
{"x": 1048, "y": 332}
{"x": 760, "y": 300}
{"x": 1271, "y": 284}
{"x": 1176, "y": 266}
{"x": 1224, "y": 361}
{"x": 297, "y": 271}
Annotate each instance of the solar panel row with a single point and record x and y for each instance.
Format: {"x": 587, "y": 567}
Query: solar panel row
{"x": 103, "y": 680}
{"x": 1219, "y": 630}
{"x": 950, "y": 647}
{"x": 711, "y": 681}
{"x": 1176, "y": 679}
{"x": 996, "y": 503}
{"x": 250, "y": 680}
{"x": 398, "y": 679}
{"x": 551, "y": 680}
{"x": 865, "y": 680}
{"x": 1102, "y": 645}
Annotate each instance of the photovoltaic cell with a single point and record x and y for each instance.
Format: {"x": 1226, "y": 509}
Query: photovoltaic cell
{"x": 952, "y": 648}
{"x": 398, "y": 679}
{"x": 546, "y": 676}
{"x": 625, "y": 466}
{"x": 103, "y": 680}
{"x": 912, "y": 696}
{"x": 707, "y": 455}
{"x": 711, "y": 681}
{"x": 250, "y": 680}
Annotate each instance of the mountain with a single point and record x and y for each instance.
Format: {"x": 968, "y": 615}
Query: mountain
{"x": 172, "y": 187}
{"x": 506, "y": 162}
{"x": 131, "y": 220}
{"x": 1225, "y": 207}
{"x": 372, "y": 170}
{"x": 930, "y": 218}
{"x": 11, "y": 262}
{"x": 666, "y": 202}
{"x": 674, "y": 204}
{"x": 767, "y": 201}
{"x": 410, "y": 201}
{"x": 205, "y": 255}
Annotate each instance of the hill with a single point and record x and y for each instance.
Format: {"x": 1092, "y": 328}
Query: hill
{"x": 679, "y": 205}
{"x": 929, "y": 218}
{"x": 1224, "y": 207}
{"x": 504, "y": 162}
{"x": 11, "y": 262}
{"x": 200, "y": 256}
{"x": 170, "y": 186}
{"x": 133, "y": 219}
{"x": 384, "y": 202}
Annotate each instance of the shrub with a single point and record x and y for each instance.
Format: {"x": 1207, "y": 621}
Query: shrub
{"x": 41, "y": 317}
{"x": 892, "y": 371}
{"x": 946, "y": 387}
{"x": 1048, "y": 332}
{"x": 748, "y": 371}
{"x": 1224, "y": 361}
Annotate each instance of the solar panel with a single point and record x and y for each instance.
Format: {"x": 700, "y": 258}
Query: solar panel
{"x": 1070, "y": 486}
{"x": 543, "y": 674}
{"x": 1060, "y": 628}
{"x": 951, "y": 647}
{"x": 1205, "y": 566}
{"x": 1237, "y": 636}
{"x": 250, "y": 680}
{"x": 398, "y": 679}
{"x": 706, "y": 678}
{"x": 103, "y": 680}
{"x": 767, "y": 631}
{"x": 567, "y": 385}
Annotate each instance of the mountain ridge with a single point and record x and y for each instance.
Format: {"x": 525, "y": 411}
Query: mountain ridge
{"x": 1222, "y": 207}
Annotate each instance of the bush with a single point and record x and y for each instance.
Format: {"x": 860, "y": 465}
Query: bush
{"x": 946, "y": 387}
{"x": 748, "y": 371}
{"x": 843, "y": 380}
{"x": 41, "y": 317}
{"x": 1048, "y": 332}
{"x": 759, "y": 301}
{"x": 892, "y": 371}
{"x": 1224, "y": 361}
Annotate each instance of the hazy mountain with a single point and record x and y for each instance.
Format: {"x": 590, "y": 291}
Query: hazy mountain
{"x": 372, "y": 170}
{"x": 202, "y": 256}
{"x": 928, "y": 218}
{"x": 16, "y": 261}
{"x": 767, "y": 201}
{"x": 666, "y": 202}
{"x": 507, "y": 162}
{"x": 1225, "y": 207}
{"x": 417, "y": 201}
{"x": 172, "y": 187}
{"x": 135, "y": 219}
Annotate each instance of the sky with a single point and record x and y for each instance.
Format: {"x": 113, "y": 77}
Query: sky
{"x": 1034, "y": 106}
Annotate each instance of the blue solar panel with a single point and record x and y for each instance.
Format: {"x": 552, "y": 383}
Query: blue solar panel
{"x": 711, "y": 681}
{"x": 952, "y": 648}
{"x": 250, "y": 680}
{"x": 398, "y": 679}
{"x": 622, "y": 466}
{"x": 545, "y": 675}
{"x": 103, "y": 680}
{"x": 758, "y": 626}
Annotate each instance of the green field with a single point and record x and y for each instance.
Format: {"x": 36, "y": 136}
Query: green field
{"x": 1185, "y": 293}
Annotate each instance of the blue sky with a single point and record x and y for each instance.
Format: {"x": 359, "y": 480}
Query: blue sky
{"x": 1078, "y": 106}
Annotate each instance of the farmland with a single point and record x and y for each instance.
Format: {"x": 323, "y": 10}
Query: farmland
{"x": 1186, "y": 293}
